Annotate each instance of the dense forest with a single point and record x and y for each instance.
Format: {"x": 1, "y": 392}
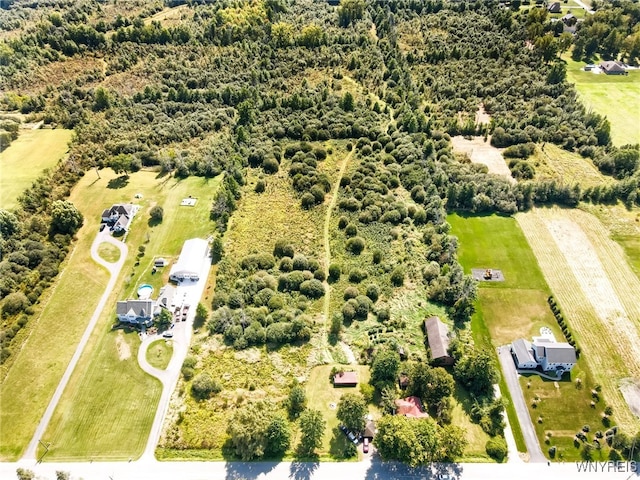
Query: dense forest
{"x": 239, "y": 86}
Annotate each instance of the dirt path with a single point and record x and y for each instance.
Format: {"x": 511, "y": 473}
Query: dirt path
{"x": 327, "y": 246}
{"x": 114, "y": 271}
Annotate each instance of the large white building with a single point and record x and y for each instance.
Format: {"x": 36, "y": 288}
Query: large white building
{"x": 545, "y": 352}
{"x": 189, "y": 265}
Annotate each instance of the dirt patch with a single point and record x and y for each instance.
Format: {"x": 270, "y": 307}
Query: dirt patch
{"x": 631, "y": 393}
{"x": 124, "y": 350}
{"x": 481, "y": 275}
{"x": 482, "y": 152}
{"x": 482, "y": 116}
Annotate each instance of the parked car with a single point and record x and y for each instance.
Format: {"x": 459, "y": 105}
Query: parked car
{"x": 102, "y": 225}
{"x": 167, "y": 334}
{"x": 365, "y": 446}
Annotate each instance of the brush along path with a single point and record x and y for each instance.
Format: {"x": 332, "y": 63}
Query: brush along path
{"x": 589, "y": 275}
{"x": 327, "y": 246}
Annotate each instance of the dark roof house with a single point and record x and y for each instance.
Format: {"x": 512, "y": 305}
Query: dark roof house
{"x": 119, "y": 216}
{"x": 569, "y": 19}
{"x": 554, "y": 7}
{"x": 438, "y": 338}
{"x": 345, "y": 379}
{"x": 136, "y": 312}
{"x": 613, "y": 68}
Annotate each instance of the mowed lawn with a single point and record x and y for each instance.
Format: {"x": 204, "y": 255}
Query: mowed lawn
{"x": 159, "y": 353}
{"x": 26, "y": 158}
{"x": 615, "y": 96}
{"x": 321, "y": 395}
{"x": 107, "y": 410}
{"x": 505, "y": 310}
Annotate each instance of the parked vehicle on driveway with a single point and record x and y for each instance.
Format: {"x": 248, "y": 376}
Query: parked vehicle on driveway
{"x": 350, "y": 435}
{"x": 167, "y": 334}
{"x": 365, "y": 446}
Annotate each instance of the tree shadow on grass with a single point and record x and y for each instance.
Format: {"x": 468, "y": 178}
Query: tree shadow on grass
{"x": 119, "y": 182}
{"x": 338, "y": 445}
{"x": 303, "y": 470}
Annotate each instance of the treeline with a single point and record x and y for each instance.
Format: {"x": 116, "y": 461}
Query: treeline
{"x": 34, "y": 241}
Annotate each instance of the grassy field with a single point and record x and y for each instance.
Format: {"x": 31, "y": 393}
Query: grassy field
{"x": 159, "y": 354}
{"x": 555, "y": 163}
{"x": 623, "y": 225}
{"x": 25, "y": 159}
{"x": 562, "y": 409}
{"x": 108, "y": 252}
{"x": 597, "y": 290}
{"x": 105, "y": 390}
{"x": 506, "y": 310}
{"x": 324, "y": 397}
{"x": 615, "y": 96}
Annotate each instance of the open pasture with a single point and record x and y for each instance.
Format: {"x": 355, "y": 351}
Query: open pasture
{"x": 26, "y": 158}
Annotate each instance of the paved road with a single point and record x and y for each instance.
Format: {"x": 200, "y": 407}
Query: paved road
{"x": 370, "y": 469}
{"x": 114, "y": 270}
{"x": 528, "y": 431}
{"x": 187, "y": 293}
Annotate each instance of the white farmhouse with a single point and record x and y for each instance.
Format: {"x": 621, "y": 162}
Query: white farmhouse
{"x": 545, "y": 352}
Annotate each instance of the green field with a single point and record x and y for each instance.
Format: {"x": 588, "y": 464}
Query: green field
{"x": 558, "y": 164}
{"x": 25, "y": 159}
{"x": 159, "y": 354}
{"x": 108, "y": 252}
{"x": 561, "y": 410}
{"x": 615, "y": 96}
{"x": 38, "y": 367}
{"x": 506, "y": 310}
{"x": 105, "y": 391}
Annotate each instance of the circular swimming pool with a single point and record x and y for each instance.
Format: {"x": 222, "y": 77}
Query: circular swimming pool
{"x": 145, "y": 291}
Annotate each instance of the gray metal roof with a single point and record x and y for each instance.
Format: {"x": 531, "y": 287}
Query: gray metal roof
{"x": 522, "y": 350}
{"x": 437, "y": 336}
{"x": 560, "y": 353}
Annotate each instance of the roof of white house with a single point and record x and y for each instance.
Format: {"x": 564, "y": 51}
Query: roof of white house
{"x": 193, "y": 254}
{"x": 560, "y": 353}
{"x": 139, "y": 308}
{"x": 522, "y": 350}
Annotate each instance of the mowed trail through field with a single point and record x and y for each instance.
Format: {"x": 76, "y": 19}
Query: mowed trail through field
{"x": 597, "y": 291}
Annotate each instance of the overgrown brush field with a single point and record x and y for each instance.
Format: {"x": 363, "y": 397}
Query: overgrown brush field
{"x": 596, "y": 289}
{"x": 553, "y": 163}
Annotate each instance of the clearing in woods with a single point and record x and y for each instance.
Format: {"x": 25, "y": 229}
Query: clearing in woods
{"x": 481, "y": 151}
{"x": 26, "y": 158}
{"x": 597, "y": 291}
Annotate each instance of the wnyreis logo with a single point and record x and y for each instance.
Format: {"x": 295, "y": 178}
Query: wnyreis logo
{"x": 607, "y": 467}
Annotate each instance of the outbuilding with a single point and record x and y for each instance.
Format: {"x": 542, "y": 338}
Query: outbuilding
{"x": 192, "y": 257}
